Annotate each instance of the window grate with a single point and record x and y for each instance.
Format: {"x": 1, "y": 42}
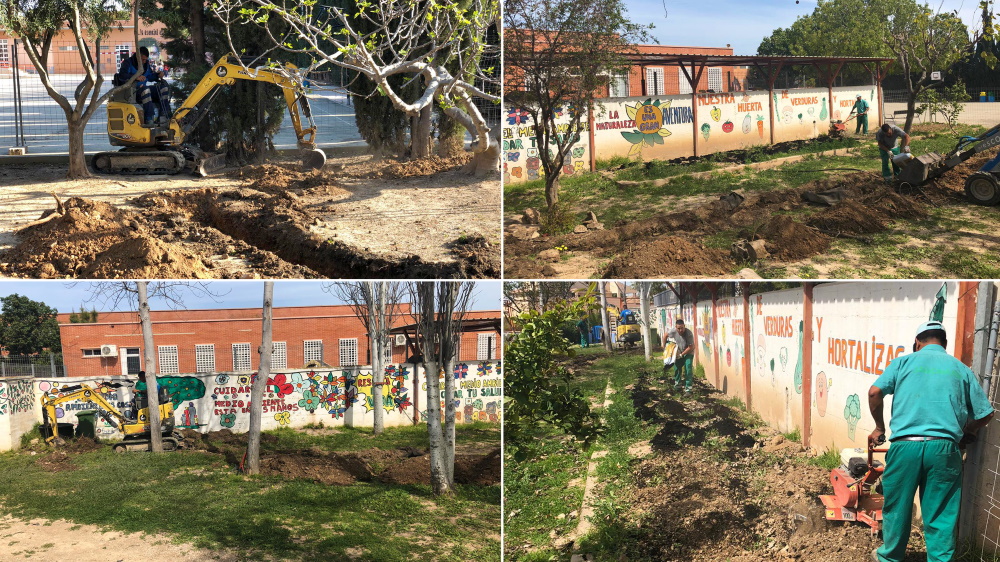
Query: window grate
{"x": 241, "y": 357}
{"x": 348, "y": 352}
{"x": 204, "y": 358}
{"x": 279, "y": 355}
{"x": 168, "y": 359}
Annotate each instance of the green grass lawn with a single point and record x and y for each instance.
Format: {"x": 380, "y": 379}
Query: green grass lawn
{"x": 198, "y": 498}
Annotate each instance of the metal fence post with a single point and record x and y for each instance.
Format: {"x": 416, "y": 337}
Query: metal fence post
{"x": 52, "y": 363}
{"x": 32, "y": 370}
{"x": 19, "y": 139}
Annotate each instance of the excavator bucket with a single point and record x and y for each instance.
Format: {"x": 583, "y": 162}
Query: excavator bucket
{"x": 922, "y": 168}
{"x": 313, "y": 159}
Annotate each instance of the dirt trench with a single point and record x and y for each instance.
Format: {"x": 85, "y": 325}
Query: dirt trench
{"x": 263, "y": 229}
{"x": 793, "y": 224}
{"x": 712, "y": 489}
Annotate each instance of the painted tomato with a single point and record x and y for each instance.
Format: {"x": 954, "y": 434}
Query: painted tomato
{"x": 727, "y": 127}
{"x": 729, "y": 358}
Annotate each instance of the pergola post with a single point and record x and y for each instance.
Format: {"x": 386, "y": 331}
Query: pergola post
{"x": 693, "y": 78}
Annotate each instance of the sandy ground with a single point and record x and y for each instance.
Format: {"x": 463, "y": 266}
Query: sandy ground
{"x": 385, "y": 209}
{"x": 41, "y": 539}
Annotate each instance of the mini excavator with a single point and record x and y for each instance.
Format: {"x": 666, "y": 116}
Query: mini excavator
{"x": 156, "y": 149}
{"x": 856, "y": 489}
{"x": 134, "y": 425}
{"x": 627, "y": 331}
{"x": 981, "y": 187}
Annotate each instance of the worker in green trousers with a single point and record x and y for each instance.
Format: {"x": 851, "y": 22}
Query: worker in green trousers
{"x": 937, "y": 404}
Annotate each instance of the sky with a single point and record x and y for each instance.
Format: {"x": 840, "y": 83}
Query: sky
{"x": 68, "y": 296}
{"x": 742, "y": 23}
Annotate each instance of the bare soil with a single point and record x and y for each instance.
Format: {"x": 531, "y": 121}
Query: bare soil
{"x": 672, "y": 244}
{"x": 356, "y": 218}
{"x": 713, "y": 489}
{"x": 41, "y": 539}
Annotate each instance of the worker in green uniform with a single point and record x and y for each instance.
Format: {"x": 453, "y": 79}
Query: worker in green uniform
{"x": 861, "y": 109}
{"x": 937, "y": 401}
{"x": 685, "y": 355}
{"x": 887, "y": 137}
{"x": 582, "y": 327}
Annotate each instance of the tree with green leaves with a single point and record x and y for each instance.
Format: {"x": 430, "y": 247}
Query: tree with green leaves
{"x": 920, "y": 39}
{"x": 28, "y": 327}
{"x": 538, "y": 389}
{"x": 84, "y": 316}
{"x": 36, "y": 23}
{"x": 438, "y": 46}
{"x": 558, "y": 56}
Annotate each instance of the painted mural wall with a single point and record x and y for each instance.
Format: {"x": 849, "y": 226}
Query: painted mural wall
{"x": 854, "y": 340}
{"x": 520, "y": 157}
{"x": 858, "y": 328}
{"x": 776, "y": 357}
{"x": 729, "y": 345}
{"x": 292, "y": 398}
{"x": 664, "y": 128}
{"x": 17, "y": 411}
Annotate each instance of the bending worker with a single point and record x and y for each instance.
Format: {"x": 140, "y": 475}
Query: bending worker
{"x": 887, "y": 136}
{"x": 937, "y": 401}
{"x": 685, "y": 355}
{"x": 151, "y": 88}
{"x": 861, "y": 108}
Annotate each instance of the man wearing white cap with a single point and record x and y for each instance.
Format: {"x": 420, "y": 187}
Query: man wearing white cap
{"x": 861, "y": 108}
{"x": 936, "y": 401}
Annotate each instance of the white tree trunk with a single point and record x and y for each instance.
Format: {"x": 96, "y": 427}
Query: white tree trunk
{"x": 376, "y": 342}
{"x": 257, "y": 388}
{"x": 149, "y": 360}
{"x": 605, "y": 320}
{"x": 449, "y": 421}
{"x": 645, "y": 288}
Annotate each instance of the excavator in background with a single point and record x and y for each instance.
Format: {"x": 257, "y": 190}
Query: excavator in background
{"x": 626, "y": 325}
{"x": 134, "y": 425}
{"x": 982, "y": 187}
{"x": 155, "y": 149}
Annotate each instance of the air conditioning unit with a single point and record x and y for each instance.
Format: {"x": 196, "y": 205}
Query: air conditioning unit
{"x": 109, "y": 350}
{"x": 400, "y": 339}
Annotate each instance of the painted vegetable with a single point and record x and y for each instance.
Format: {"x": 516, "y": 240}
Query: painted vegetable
{"x": 747, "y": 124}
{"x": 706, "y": 130}
{"x": 822, "y": 112}
{"x": 727, "y": 127}
{"x": 716, "y": 113}
{"x": 760, "y": 126}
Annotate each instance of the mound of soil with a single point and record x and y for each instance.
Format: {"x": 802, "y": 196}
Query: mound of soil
{"x": 483, "y": 470}
{"x": 424, "y": 166}
{"x": 56, "y": 461}
{"x": 667, "y": 257}
{"x": 791, "y": 240}
{"x": 750, "y": 498}
{"x": 848, "y": 217}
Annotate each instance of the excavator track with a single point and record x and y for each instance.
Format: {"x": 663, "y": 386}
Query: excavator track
{"x": 139, "y": 162}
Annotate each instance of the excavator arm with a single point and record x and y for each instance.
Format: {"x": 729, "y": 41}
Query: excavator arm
{"x": 82, "y": 393}
{"x": 226, "y": 73}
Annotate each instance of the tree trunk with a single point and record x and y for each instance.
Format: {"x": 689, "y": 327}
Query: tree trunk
{"x": 257, "y": 387}
{"x": 420, "y": 133}
{"x": 551, "y": 191}
{"x": 198, "y": 32}
{"x": 449, "y": 421}
{"x": 645, "y": 288}
{"x": 606, "y": 328}
{"x": 911, "y": 103}
{"x": 77, "y": 158}
{"x": 149, "y": 360}
{"x": 451, "y": 137}
{"x": 376, "y": 328}
{"x": 485, "y": 162}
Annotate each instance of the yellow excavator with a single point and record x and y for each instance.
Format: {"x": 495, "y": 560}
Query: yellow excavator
{"x": 134, "y": 425}
{"x": 156, "y": 149}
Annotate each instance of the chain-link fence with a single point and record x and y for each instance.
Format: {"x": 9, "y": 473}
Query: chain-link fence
{"x": 43, "y": 365}
{"x": 30, "y": 117}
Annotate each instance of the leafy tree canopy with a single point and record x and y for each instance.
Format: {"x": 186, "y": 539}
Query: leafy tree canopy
{"x": 27, "y": 327}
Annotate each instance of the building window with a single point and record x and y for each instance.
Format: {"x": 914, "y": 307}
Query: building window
{"x": 715, "y": 79}
{"x": 654, "y": 82}
{"x": 168, "y": 359}
{"x": 485, "y": 344}
{"x": 241, "y": 357}
{"x": 683, "y": 80}
{"x": 122, "y": 52}
{"x": 204, "y": 358}
{"x": 348, "y": 352}
{"x": 312, "y": 350}
{"x": 279, "y": 355}
{"x": 4, "y": 54}
{"x": 92, "y": 352}
{"x": 618, "y": 86}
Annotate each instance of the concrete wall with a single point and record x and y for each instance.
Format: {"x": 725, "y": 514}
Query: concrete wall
{"x": 668, "y": 127}
{"x": 292, "y": 398}
{"x": 857, "y": 328}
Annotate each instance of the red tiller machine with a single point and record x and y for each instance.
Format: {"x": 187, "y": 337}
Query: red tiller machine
{"x": 857, "y": 491}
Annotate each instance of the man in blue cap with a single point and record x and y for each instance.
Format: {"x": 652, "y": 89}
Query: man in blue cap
{"x": 936, "y": 402}
{"x": 151, "y": 87}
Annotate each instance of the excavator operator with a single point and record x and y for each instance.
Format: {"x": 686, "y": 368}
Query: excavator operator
{"x": 151, "y": 87}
